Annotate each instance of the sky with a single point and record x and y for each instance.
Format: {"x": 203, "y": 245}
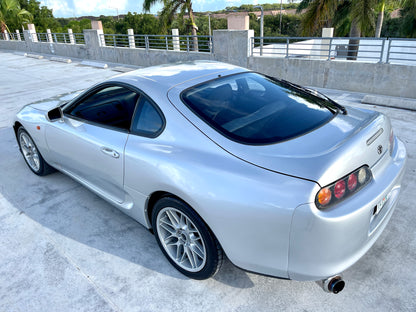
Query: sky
{"x": 76, "y": 8}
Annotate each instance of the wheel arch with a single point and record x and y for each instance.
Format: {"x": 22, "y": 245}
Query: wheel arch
{"x": 16, "y": 127}
{"x": 156, "y": 196}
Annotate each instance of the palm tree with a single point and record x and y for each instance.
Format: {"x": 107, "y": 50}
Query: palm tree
{"x": 12, "y": 14}
{"x": 170, "y": 7}
{"x": 319, "y": 13}
{"x": 380, "y": 17}
{"x": 357, "y": 15}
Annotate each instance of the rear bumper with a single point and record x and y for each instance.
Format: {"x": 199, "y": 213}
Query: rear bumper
{"x": 325, "y": 243}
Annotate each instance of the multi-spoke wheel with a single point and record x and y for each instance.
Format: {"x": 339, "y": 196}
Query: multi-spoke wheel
{"x": 31, "y": 154}
{"x": 185, "y": 239}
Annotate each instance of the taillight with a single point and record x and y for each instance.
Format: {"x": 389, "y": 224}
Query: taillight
{"x": 341, "y": 189}
{"x": 324, "y": 196}
{"x": 352, "y": 181}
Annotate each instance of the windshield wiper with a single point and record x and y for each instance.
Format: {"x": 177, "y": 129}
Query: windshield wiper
{"x": 315, "y": 93}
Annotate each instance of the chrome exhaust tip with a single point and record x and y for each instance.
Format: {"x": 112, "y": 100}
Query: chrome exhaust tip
{"x": 334, "y": 284}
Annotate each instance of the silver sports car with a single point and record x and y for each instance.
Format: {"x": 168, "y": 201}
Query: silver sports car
{"x": 219, "y": 160}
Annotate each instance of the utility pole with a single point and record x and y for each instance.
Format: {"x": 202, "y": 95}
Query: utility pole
{"x": 261, "y": 28}
{"x": 209, "y": 24}
{"x": 280, "y": 26}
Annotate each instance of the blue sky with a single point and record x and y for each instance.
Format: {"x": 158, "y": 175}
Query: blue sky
{"x": 71, "y": 8}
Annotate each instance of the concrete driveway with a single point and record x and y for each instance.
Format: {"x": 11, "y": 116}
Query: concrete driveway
{"x": 64, "y": 249}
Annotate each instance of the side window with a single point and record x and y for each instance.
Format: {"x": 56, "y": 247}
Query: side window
{"x": 111, "y": 106}
{"x": 148, "y": 120}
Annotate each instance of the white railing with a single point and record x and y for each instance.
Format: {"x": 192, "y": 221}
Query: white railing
{"x": 159, "y": 42}
{"x": 374, "y": 50}
{"x": 69, "y": 38}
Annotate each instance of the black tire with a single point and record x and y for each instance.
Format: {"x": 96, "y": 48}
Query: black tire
{"x": 192, "y": 240}
{"x": 41, "y": 167}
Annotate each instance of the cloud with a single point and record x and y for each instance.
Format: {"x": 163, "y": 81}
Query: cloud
{"x": 62, "y": 8}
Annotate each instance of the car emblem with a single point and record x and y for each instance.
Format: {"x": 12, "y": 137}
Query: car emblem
{"x": 379, "y": 149}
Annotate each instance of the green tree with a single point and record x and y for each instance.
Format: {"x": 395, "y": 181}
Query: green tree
{"x": 11, "y": 14}
{"x": 408, "y": 14}
{"x": 170, "y": 8}
{"x": 353, "y": 16}
{"x": 140, "y": 23}
{"x": 357, "y": 15}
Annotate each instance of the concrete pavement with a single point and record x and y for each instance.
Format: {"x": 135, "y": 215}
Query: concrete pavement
{"x": 62, "y": 248}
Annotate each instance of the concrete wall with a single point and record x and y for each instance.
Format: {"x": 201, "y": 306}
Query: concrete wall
{"x": 233, "y": 46}
{"x": 387, "y": 79}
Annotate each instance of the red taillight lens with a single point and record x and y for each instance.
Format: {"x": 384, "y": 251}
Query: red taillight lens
{"x": 348, "y": 185}
{"x": 339, "y": 189}
{"x": 352, "y": 182}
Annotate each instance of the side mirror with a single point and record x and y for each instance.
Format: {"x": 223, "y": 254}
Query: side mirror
{"x": 55, "y": 114}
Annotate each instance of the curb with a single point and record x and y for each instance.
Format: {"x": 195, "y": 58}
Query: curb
{"x": 390, "y": 101}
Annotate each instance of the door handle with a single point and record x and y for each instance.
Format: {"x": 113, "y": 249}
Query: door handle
{"x": 110, "y": 152}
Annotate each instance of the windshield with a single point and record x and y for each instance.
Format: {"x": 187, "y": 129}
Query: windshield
{"x": 253, "y": 109}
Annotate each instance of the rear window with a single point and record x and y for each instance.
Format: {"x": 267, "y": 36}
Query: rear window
{"x": 253, "y": 109}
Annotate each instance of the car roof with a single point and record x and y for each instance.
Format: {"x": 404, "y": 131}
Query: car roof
{"x": 164, "y": 77}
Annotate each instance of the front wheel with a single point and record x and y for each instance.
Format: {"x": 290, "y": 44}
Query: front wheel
{"x": 31, "y": 154}
{"x": 185, "y": 239}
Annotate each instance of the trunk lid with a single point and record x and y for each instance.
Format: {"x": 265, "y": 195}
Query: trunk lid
{"x": 328, "y": 153}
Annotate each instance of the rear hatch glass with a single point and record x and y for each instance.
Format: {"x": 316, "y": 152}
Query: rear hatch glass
{"x": 253, "y": 109}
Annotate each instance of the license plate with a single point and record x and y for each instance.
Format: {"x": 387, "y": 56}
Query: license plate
{"x": 381, "y": 203}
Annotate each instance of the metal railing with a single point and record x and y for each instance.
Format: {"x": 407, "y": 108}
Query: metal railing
{"x": 75, "y": 38}
{"x": 374, "y": 50}
{"x": 159, "y": 42}
{"x": 401, "y": 51}
{"x": 12, "y": 36}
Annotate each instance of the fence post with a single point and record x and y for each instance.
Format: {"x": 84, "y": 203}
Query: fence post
{"x": 252, "y": 46}
{"x": 388, "y": 51}
{"x": 32, "y": 32}
{"x": 18, "y": 35}
{"x": 382, "y": 50}
{"x": 49, "y": 35}
{"x": 6, "y": 35}
{"x": 130, "y": 33}
{"x": 287, "y": 47}
{"x": 326, "y": 42}
{"x": 187, "y": 43}
{"x": 166, "y": 42}
{"x": 329, "y": 50}
{"x": 146, "y": 42}
{"x": 71, "y": 36}
{"x": 175, "y": 39}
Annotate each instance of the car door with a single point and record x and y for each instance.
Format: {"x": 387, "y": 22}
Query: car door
{"x": 88, "y": 143}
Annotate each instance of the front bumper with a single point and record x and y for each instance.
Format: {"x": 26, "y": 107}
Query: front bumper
{"x": 327, "y": 242}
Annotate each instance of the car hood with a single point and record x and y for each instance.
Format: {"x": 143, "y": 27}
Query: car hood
{"x": 326, "y": 154}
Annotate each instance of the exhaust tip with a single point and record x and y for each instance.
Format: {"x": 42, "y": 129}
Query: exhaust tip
{"x": 334, "y": 284}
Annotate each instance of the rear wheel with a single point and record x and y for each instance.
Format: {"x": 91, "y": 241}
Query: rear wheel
{"x": 31, "y": 154}
{"x": 185, "y": 239}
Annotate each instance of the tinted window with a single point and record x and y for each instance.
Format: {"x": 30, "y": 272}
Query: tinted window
{"x": 111, "y": 106}
{"x": 254, "y": 109}
{"x": 148, "y": 121}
